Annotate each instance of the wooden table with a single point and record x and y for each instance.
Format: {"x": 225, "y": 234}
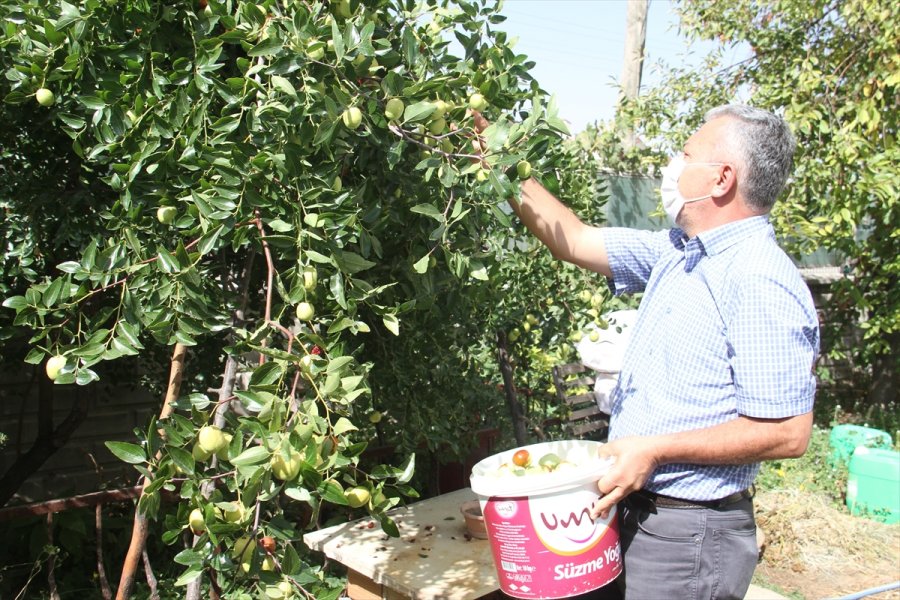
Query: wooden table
{"x": 432, "y": 558}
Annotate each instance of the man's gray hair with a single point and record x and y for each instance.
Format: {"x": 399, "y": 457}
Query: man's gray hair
{"x": 764, "y": 144}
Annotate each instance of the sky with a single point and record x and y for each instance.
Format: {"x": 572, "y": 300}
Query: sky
{"x": 578, "y": 46}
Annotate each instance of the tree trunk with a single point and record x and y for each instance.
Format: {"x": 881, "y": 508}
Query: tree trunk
{"x": 48, "y": 439}
{"x": 509, "y": 386}
{"x": 141, "y": 525}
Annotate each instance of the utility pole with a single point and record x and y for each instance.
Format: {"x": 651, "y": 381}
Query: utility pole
{"x": 632, "y": 65}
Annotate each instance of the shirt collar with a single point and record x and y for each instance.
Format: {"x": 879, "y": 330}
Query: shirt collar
{"x": 717, "y": 240}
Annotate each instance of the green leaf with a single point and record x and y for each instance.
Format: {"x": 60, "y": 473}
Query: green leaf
{"x": 392, "y": 323}
{"x": 190, "y": 575}
{"x": 421, "y": 265}
{"x": 255, "y": 455}
{"x": 418, "y": 111}
{"x": 344, "y": 425}
{"x": 182, "y": 459}
{"x": 428, "y": 210}
{"x": 332, "y": 491}
{"x": 130, "y": 453}
{"x": 352, "y": 263}
{"x": 266, "y": 47}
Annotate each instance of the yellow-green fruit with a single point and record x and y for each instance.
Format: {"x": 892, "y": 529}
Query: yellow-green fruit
{"x": 236, "y": 514}
{"x": 514, "y": 334}
{"x": 54, "y": 365}
{"x": 440, "y": 109}
{"x": 243, "y": 550}
{"x": 477, "y": 102}
{"x": 584, "y": 296}
{"x": 375, "y": 417}
{"x": 394, "y": 109}
{"x": 342, "y": 9}
{"x": 310, "y": 278}
{"x": 286, "y": 588}
{"x": 437, "y": 126}
{"x": 352, "y": 117}
{"x": 526, "y": 326}
{"x": 305, "y": 311}
{"x": 285, "y": 470}
{"x": 576, "y": 336}
{"x": 481, "y": 175}
{"x": 594, "y": 336}
{"x": 199, "y": 454}
{"x": 211, "y": 439}
{"x": 222, "y": 454}
{"x": 337, "y": 185}
{"x": 531, "y": 319}
{"x": 268, "y": 564}
{"x": 197, "y": 522}
{"x": 523, "y": 169}
{"x": 315, "y": 49}
{"x": 306, "y": 362}
{"x": 357, "y": 496}
{"x": 166, "y": 214}
{"x": 45, "y": 97}
{"x": 549, "y": 461}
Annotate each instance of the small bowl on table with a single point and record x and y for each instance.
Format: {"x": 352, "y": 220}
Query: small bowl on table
{"x": 471, "y": 512}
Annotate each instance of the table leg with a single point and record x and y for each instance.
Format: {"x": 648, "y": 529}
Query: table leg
{"x": 360, "y": 587}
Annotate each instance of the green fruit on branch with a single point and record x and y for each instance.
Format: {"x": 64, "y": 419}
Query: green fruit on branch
{"x": 393, "y": 111}
{"x": 285, "y": 469}
{"x": 45, "y": 97}
{"x": 211, "y": 439}
{"x": 222, "y": 454}
{"x": 268, "y": 564}
{"x": 523, "y": 169}
{"x": 305, "y": 311}
{"x": 54, "y": 365}
{"x": 199, "y": 454}
{"x": 310, "y": 278}
{"x": 352, "y": 117}
{"x": 375, "y": 417}
{"x": 481, "y": 175}
{"x": 306, "y": 363}
{"x": 197, "y": 522}
{"x": 337, "y": 185}
{"x": 440, "y": 109}
{"x": 315, "y": 49}
{"x": 166, "y": 214}
{"x": 357, "y": 496}
{"x": 437, "y": 126}
{"x": 243, "y": 551}
{"x": 477, "y": 102}
{"x": 514, "y": 334}
{"x": 235, "y": 513}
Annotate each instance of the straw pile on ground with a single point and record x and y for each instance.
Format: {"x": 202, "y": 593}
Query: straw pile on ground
{"x": 814, "y": 550}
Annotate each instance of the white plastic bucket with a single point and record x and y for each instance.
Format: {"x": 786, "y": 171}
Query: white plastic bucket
{"x": 544, "y": 542}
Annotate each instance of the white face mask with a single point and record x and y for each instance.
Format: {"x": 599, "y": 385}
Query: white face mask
{"x": 672, "y": 199}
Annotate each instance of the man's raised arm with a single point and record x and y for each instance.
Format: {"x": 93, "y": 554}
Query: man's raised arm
{"x": 567, "y": 237}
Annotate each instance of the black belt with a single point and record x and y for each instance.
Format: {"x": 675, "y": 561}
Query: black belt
{"x": 662, "y": 501}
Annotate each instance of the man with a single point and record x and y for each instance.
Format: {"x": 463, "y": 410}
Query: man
{"x": 718, "y": 373}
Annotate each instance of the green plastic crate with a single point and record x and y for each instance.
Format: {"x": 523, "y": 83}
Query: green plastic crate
{"x": 873, "y": 484}
{"x": 845, "y": 438}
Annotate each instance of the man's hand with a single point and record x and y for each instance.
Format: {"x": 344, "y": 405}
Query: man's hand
{"x": 635, "y": 462}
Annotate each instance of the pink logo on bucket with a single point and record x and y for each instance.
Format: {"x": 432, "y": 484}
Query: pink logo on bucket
{"x": 549, "y": 547}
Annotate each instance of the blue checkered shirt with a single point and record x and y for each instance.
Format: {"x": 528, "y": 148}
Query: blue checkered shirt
{"x": 726, "y": 327}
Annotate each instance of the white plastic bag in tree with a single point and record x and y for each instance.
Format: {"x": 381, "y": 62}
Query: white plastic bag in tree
{"x": 606, "y": 354}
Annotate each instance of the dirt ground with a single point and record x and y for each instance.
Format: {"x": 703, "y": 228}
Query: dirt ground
{"x": 813, "y": 550}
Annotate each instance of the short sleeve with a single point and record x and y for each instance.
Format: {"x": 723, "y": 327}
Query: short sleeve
{"x": 632, "y": 254}
{"x": 774, "y": 337}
